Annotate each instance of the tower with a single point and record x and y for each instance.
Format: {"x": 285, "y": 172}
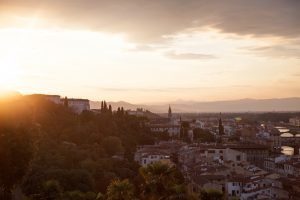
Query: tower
{"x": 170, "y": 113}
{"x": 221, "y": 127}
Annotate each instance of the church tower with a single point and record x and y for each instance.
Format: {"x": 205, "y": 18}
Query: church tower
{"x": 221, "y": 127}
{"x": 170, "y": 113}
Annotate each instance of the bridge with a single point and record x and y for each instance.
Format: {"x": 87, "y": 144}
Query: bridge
{"x": 286, "y": 139}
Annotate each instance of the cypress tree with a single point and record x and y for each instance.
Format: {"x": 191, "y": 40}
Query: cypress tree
{"x": 110, "y": 109}
{"x": 102, "y": 105}
{"x": 66, "y": 102}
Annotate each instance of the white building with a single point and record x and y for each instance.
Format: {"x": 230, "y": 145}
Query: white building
{"x": 224, "y": 154}
{"x": 255, "y": 187}
{"x": 151, "y": 158}
{"x": 79, "y": 105}
{"x": 283, "y": 165}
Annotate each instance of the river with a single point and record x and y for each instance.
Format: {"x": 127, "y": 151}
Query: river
{"x": 285, "y": 132}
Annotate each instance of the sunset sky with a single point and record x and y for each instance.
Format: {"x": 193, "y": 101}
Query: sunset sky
{"x": 151, "y": 50}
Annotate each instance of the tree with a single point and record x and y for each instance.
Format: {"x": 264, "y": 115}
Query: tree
{"x": 160, "y": 181}
{"x": 51, "y": 190}
{"x": 112, "y": 145}
{"x": 105, "y": 107}
{"x": 78, "y": 195}
{"x": 203, "y": 135}
{"x": 66, "y": 102}
{"x": 184, "y": 131}
{"x": 110, "y": 109}
{"x": 102, "y": 106}
{"x": 16, "y": 151}
{"x": 211, "y": 195}
{"x": 120, "y": 190}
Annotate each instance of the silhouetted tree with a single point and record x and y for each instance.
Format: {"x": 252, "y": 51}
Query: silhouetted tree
{"x": 211, "y": 195}
{"x": 102, "y": 106}
{"x": 51, "y": 190}
{"x": 110, "y": 109}
{"x": 120, "y": 190}
{"x": 16, "y": 151}
{"x": 105, "y": 108}
{"x": 161, "y": 181}
{"x": 66, "y": 102}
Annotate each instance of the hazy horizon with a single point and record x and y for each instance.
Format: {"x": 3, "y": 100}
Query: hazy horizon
{"x": 149, "y": 51}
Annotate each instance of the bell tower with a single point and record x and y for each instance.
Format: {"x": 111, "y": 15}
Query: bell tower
{"x": 170, "y": 113}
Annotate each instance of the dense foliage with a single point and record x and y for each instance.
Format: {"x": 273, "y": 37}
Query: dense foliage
{"x": 74, "y": 154}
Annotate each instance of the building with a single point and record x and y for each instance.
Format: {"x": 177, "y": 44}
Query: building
{"x": 284, "y": 165}
{"x": 295, "y": 121}
{"x": 207, "y": 182}
{"x": 53, "y": 98}
{"x": 160, "y": 152}
{"x": 78, "y": 105}
{"x": 172, "y": 129}
{"x": 256, "y": 153}
{"x": 154, "y": 157}
{"x": 255, "y": 187}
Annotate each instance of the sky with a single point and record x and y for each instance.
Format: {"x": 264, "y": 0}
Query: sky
{"x": 151, "y": 51}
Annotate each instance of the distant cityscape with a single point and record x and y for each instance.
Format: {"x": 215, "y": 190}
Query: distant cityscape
{"x": 240, "y": 159}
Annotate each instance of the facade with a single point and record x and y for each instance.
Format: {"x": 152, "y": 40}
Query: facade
{"x": 224, "y": 154}
{"x": 161, "y": 152}
{"x": 172, "y": 130}
{"x": 295, "y": 121}
{"x": 256, "y": 154}
{"x": 206, "y": 182}
{"x": 79, "y": 105}
{"x": 255, "y": 187}
{"x": 151, "y": 158}
{"x": 283, "y": 165}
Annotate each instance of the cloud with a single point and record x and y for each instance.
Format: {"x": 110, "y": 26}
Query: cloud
{"x": 147, "y": 21}
{"x": 276, "y": 51}
{"x": 145, "y": 48}
{"x": 189, "y": 56}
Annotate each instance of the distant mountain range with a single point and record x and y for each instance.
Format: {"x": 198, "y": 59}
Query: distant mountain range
{"x": 242, "y": 105}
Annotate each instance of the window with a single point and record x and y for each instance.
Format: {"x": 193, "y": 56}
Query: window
{"x": 238, "y": 158}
